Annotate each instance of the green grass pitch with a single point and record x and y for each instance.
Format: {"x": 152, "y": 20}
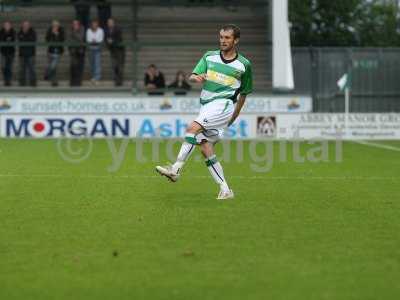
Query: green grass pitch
{"x": 96, "y": 230}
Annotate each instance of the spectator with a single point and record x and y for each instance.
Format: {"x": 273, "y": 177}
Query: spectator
{"x": 77, "y": 54}
{"x": 180, "y": 85}
{"x": 154, "y": 80}
{"x": 7, "y": 35}
{"x": 103, "y": 12}
{"x": 82, "y": 11}
{"x": 95, "y": 38}
{"x": 55, "y": 34}
{"x": 27, "y": 55}
{"x": 117, "y": 50}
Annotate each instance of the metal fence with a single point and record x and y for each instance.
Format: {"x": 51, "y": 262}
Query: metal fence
{"x": 375, "y": 77}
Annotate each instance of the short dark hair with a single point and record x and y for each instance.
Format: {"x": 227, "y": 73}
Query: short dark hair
{"x": 234, "y": 28}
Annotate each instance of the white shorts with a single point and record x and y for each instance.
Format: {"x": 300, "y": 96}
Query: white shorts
{"x": 214, "y": 118}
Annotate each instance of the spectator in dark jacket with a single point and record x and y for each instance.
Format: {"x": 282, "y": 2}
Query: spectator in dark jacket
{"x": 55, "y": 34}
{"x": 77, "y": 53}
{"x": 7, "y": 35}
{"x": 103, "y": 12}
{"x": 27, "y": 55}
{"x": 154, "y": 80}
{"x": 180, "y": 85}
{"x": 82, "y": 11}
{"x": 117, "y": 51}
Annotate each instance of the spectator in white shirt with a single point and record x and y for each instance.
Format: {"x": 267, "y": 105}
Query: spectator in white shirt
{"x": 95, "y": 38}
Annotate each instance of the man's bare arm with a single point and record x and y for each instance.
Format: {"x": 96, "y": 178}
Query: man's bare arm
{"x": 197, "y": 78}
{"x": 238, "y": 108}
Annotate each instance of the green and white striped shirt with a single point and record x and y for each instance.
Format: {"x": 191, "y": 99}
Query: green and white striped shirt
{"x": 225, "y": 79}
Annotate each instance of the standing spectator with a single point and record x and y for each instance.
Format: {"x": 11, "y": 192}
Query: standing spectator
{"x": 54, "y": 34}
{"x": 7, "y": 35}
{"x": 154, "y": 80}
{"x": 117, "y": 50}
{"x": 82, "y": 11}
{"x": 77, "y": 54}
{"x": 27, "y": 55}
{"x": 180, "y": 85}
{"x": 95, "y": 38}
{"x": 103, "y": 12}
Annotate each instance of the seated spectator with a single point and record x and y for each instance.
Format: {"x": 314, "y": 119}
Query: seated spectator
{"x": 7, "y": 35}
{"x": 117, "y": 51}
{"x": 95, "y": 38}
{"x": 82, "y": 11}
{"x": 180, "y": 85}
{"x": 154, "y": 80}
{"x": 27, "y": 55}
{"x": 54, "y": 34}
{"x": 77, "y": 54}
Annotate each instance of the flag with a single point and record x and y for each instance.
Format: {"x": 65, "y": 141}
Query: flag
{"x": 344, "y": 82}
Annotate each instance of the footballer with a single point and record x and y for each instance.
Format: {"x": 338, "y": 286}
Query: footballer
{"x": 226, "y": 77}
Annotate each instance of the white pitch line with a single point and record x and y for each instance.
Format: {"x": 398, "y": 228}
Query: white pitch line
{"x": 55, "y": 176}
{"x": 376, "y": 145}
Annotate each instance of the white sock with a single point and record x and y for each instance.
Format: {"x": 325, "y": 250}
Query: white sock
{"x": 185, "y": 152}
{"x": 217, "y": 172}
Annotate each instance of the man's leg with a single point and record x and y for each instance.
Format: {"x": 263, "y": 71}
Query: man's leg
{"x": 21, "y": 75}
{"x": 97, "y": 62}
{"x": 47, "y": 71}
{"x": 216, "y": 171}
{"x": 55, "y": 62}
{"x": 92, "y": 63}
{"x": 81, "y": 68}
{"x": 32, "y": 71}
{"x": 118, "y": 64}
{"x": 121, "y": 63}
{"x": 4, "y": 67}
{"x": 113, "y": 55}
{"x": 188, "y": 145}
{"x": 73, "y": 70}
{"x": 9, "y": 69}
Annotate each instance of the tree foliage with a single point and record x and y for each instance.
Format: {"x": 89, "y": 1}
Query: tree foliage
{"x": 344, "y": 23}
